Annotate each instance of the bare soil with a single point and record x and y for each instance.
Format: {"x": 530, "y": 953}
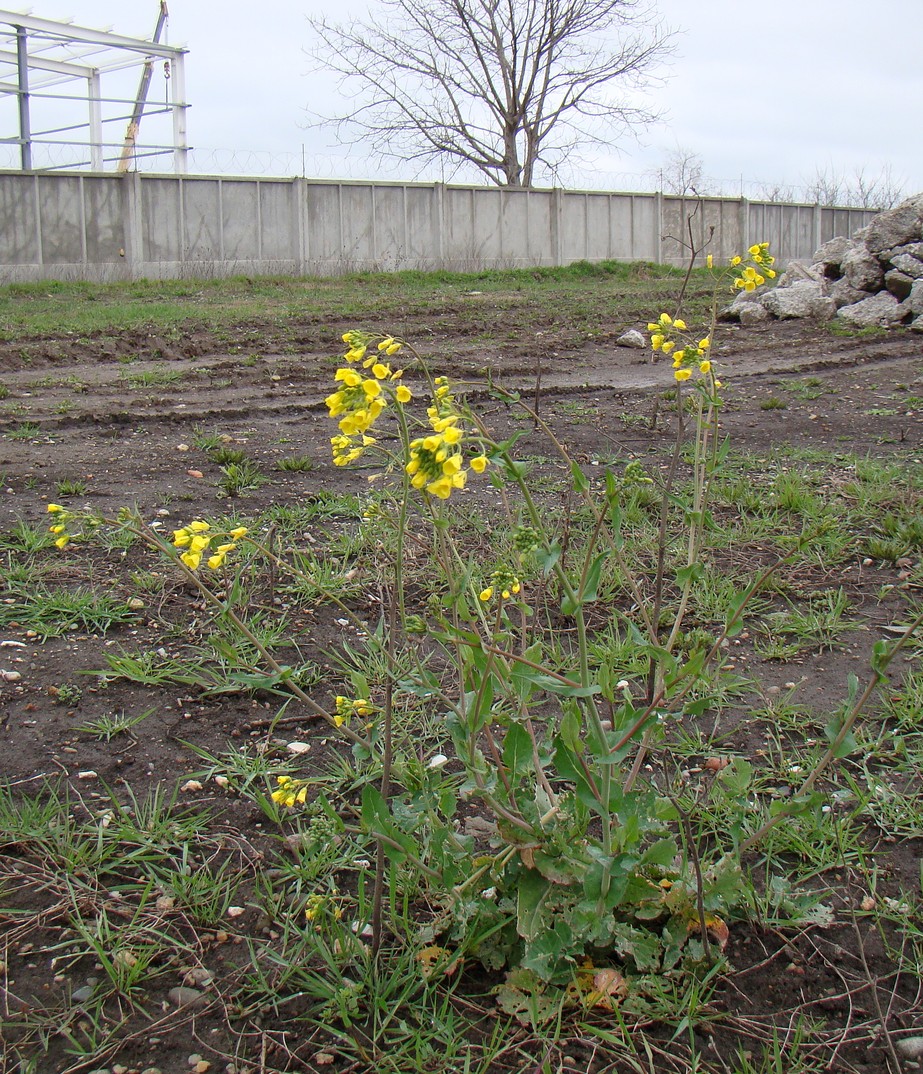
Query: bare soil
{"x": 119, "y": 414}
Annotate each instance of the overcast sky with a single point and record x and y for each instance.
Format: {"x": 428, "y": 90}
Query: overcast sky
{"x": 773, "y": 92}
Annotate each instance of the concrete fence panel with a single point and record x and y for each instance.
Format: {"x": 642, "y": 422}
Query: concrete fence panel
{"x": 102, "y": 226}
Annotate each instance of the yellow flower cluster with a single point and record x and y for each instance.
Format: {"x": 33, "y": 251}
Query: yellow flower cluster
{"x": 290, "y": 791}
{"x": 347, "y": 707}
{"x": 59, "y": 527}
{"x": 504, "y": 582}
{"x": 436, "y": 462}
{"x": 196, "y": 539}
{"x": 670, "y": 336}
{"x": 361, "y": 398}
{"x": 754, "y": 271}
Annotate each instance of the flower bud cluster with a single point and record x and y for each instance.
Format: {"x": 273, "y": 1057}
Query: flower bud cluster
{"x": 504, "y": 582}
{"x": 347, "y": 707}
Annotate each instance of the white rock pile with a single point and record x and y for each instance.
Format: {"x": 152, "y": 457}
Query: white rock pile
{"x": 874, "y": 278}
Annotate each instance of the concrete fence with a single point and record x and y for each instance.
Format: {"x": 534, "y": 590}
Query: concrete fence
{"x": 108, "y": 227}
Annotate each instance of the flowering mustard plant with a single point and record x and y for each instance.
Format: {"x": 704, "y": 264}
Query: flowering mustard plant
{"x": 504, "y": 582}
{"x": 346, "y": 708}
{"x": 362, "y": 398}
{"x": 753, "y": 271}
{"x": 671, "y": 336}
{"x": 290, "y": 792}
{"x": 692, "y": 355}
{"x": 197, "y": 538}
{"x": 435, "y": 462}
{"x": 59, "y": 526}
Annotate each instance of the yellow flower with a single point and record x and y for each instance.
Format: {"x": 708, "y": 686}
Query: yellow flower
{"x": 681, "y": 325}
{"x": 62, "y": 542}
{"x": 709, "y": 261}
{"x": 704, "y": 344}
{"x": 198, "y": 527}
{"x": 665, "y": 320}
{"x": 239, "y": 532}
{"x": 683, "y": 374}
{"x": 441, "y": 488}
{"x": 705, "y": 366}
{"x": 478, "y": 464}
{"x": 486, "y": 594}
{"x": 403, "y": 394}
{"x": 667, "y": 347}
{"x": 192, "y": 560}
{"x": 53, "y": 508}
{"x": 386, "y": 343}
{"x": 736, "y": 260}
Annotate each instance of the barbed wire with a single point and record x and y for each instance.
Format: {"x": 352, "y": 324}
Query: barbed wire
{"x": 148, "y": 158}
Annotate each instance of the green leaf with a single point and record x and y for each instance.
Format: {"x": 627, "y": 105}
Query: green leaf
{"x": 737, "y": 777}
{"x": 377, "y": 821}
{"x": 517, "y": 749}
{"x": 548, "y": 557}
{"x": 881, "y": 655}
{"x": 591, "y": 584}
{"x": 581, "y": 484}
{"x": 534, "y": 892}
{"x": 847, "y": 746}
{"x": 689, "y": 574}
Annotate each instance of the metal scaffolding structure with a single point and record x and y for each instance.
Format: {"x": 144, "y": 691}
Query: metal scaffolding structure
{"x": 42, "y": 59}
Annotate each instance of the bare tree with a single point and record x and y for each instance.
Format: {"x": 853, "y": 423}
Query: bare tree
{"x": 683, "y": 173}
{"x": 510, "y": 87}
{"x": 861, "y": 192}
{"x": 775, "y": 192}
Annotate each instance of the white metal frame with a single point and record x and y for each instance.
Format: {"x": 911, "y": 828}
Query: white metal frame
{"x": 37, "y": 56}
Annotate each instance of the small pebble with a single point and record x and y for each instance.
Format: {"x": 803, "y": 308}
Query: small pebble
{"x": 181, "y": 996}
{"x": 909, "y": 1047}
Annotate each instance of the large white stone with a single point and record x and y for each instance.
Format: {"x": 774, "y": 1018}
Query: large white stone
{"x": 803, "y": 299}
{"x": 882, "y": 309}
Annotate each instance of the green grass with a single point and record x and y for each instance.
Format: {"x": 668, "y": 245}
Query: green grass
{"x": 51, "y": 612}
{"x": 85, "y": 309}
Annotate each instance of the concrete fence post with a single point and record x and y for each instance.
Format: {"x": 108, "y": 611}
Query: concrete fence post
{"x": 744, "y": 225}
{"x": 658, "y": 228}
{"x": 557, "y": 239}
{"x": 299, "y": 210}
{"x": 132, "y": 224}
{"x": 440, "y": 225}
